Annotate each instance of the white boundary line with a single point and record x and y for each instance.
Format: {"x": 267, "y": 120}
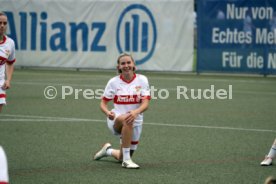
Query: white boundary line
{"x": 58, "y": 84}
{"x": 46, "y": 118}
{"x": 38, "y": 120}
{"x": 181, "y": 77}
{"x": 211, "y": 127}
{"x": 28, "y": 118}
{"x": 215, "y": 79}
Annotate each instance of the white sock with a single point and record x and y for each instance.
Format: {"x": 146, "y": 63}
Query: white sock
{"x": 272, "y": 152}
{"x": 3, "y": 166}
{"x": 109, "y": 151}
{"x": 126, "y": 154}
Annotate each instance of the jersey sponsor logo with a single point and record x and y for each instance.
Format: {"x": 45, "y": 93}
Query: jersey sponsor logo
{"x": 136, "y": 32}
{"x": 127, "y": 99}
{"x": 2, "y": 60}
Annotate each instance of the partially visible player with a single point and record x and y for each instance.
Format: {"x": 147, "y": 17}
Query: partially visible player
{"x": 4, "y": 177}
{"x": 270, "y": 180}
{"x": 7, "y": 58}
{"x": 130, "y": 94}
{"x": 271, "y": 155}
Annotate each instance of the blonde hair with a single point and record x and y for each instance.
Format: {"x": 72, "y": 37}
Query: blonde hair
{"x": 3, "y": 14}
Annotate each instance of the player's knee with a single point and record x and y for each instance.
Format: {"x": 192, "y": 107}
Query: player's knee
{"x": 128, "y": 125}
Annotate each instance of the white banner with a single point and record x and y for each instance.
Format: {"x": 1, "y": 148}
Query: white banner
{"x": 91, "y": 34}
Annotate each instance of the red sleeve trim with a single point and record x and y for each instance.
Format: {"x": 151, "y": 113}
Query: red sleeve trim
{"x": 2, "y": 96}
{"x": 146, "y": 97}
{"x": 11, "y": 62}
{"x": 105, "y": 99}
{"x": 3, "y": 182}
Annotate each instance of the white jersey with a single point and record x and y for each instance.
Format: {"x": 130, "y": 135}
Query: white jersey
{"x": 4, "y": 176}
{"x": 127, "y": 96}
{"x": 7, "y": 54}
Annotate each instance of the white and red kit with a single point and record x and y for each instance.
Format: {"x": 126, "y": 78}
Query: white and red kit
{"x": 7, "y": 54}
{"x": 4, "y": 177}
{"x": 127, "y": 96}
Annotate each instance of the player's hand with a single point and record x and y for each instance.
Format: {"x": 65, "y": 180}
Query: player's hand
{"x": 6, "y": 85}
{"x": 111, "y": 115}
{"x": 131, "y": 117}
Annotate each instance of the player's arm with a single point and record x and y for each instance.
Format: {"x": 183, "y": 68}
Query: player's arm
{"x": 9, "y": 73}
{"x": 134, "y": 113}
{"x": 145, "y": 101}
{"x": 143, "y": 107}
{"x": 10, "y": 66}
{"x": 105, "y": 110}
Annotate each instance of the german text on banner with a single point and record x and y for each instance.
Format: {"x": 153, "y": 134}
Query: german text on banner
{"x": 237, "y": 36}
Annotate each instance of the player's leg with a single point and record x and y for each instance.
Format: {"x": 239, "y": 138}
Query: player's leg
{"x": 4, "y": 178}
{"x": 137, "y": 131}
{"x": 2, "y": 98}
{"x": 107, "y": 150}
{"x": 119, "y": 127}
{"x": 102, "y": 152}
{"x": 271, "y": 155}
{"x": 126, "y": 130}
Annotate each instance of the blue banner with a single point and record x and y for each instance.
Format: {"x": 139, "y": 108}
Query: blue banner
{"x": 236, "y": 36}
